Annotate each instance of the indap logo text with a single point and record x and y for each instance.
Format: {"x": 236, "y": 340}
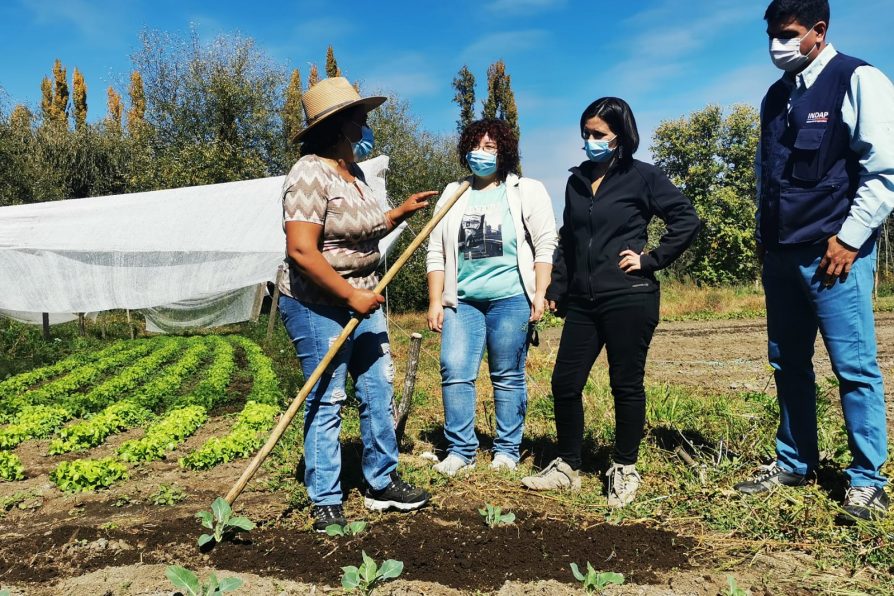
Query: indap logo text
{"x": 814, "y": 117}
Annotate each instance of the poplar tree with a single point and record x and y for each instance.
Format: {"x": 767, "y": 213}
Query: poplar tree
{"x": 509, "y": 110}
{"x": 20, "y": 118}
{"x": 292, "y": 112}
{"x": 464, "y": 84}
{"x": 332, "y": 69}
{"x": 494, "y": 81}
{"x": 114, "y": 110}
{"x": 500, "y": 98}
{"x": 314, "y": 77}
{"x": 79, "y": 99}
{"x": 46, "y": 99}
{"x": 136, "y": 114}
{"x": 60, "y": 94}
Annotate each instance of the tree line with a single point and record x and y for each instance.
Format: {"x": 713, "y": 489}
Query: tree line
{"x": 194, "y": 113}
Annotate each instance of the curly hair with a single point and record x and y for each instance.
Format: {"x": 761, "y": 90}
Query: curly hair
{"x": 502, "y": 135}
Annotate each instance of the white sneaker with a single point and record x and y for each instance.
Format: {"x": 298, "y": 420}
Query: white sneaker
{"x": 502, "y": 461}
{"x": 451, "y": 465}
{"x": 557, "y": 475}
{"x": 622, "y": 484}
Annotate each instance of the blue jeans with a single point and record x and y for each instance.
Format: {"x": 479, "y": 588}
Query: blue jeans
{"x": 502, "y": 326}
{"x": 797, "y": 306}
{"x": 366, "y": 356}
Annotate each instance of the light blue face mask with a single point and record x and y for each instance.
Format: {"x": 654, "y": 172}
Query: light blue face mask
{"x": 598, "y": 151}
{"x": 364, "y": 146}
{"x": 481, "y": 163}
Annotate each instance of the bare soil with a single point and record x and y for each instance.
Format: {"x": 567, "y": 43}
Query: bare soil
{"x": 731, "y": 356}
{"x": 115, "y": 542}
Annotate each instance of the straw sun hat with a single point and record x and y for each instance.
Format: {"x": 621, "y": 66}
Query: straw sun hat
{"x": 329, "y": 97}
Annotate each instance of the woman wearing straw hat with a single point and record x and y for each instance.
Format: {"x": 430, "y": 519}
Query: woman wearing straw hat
{"x": 332, "y": 224}
{"x": 489, "y": 263}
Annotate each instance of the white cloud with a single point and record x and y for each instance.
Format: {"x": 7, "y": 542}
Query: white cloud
{"x": 523, "y": 7}
{"x": 94, "y": 20}
{"x": 495, "y": 45}
{"x": 666, "y": 38}
{"x": 410, "y": 75}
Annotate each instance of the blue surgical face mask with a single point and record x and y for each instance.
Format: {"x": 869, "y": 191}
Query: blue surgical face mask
{"x": 481, "y": 163}
{"x": 364, "y": 146}
{"x": 598, "y": 151}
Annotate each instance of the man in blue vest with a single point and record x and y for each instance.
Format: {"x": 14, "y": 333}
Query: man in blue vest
{"x": 826, "y": 184}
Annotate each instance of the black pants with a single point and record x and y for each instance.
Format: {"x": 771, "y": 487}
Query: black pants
{"x": 624, "y": 325}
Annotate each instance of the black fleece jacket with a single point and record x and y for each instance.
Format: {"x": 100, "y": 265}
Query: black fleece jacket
{"x": 596, "y": 229}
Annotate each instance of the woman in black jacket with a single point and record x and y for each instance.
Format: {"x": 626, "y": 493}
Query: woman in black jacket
{"x": 604, "y": 280}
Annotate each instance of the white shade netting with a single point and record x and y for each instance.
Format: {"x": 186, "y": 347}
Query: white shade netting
{"x": 191, "y": 257}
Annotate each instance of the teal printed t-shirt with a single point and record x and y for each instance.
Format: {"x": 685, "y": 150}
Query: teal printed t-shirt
{"x": 488, "y": 252}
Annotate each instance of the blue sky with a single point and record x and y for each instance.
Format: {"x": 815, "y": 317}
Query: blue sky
{"x": 665, "y": 57}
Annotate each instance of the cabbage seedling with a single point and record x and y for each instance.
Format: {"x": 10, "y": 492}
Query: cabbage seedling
{"x": 222, "y": 522}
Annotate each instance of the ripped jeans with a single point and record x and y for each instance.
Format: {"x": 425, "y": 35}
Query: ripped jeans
{"x": 501, "y": 326}
{"x": 366, "y": 356}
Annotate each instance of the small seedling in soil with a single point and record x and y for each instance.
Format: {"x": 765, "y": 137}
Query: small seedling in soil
{"x": 167, "y": 494}
{"x": 351, "y": 529}
{"x": 369, "y": 576}
{"x": 186, "y": 580}
{"x": 222, "y": 522}
{"x": 494, "y": 516}
{"x": 734, "y": 589}
{"x": 122, "y": 501}
{"x": 596, "y": 581}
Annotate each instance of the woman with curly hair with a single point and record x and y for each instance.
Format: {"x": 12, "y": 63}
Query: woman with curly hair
{"x": 489, "y": 264}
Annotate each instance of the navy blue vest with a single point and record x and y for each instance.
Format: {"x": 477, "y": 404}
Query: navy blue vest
{"x": 809, "y": 175}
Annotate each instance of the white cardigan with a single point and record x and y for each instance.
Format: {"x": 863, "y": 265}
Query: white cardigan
{"x": 528, "y": 200}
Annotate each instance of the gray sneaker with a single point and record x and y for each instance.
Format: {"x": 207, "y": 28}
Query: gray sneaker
{"x": 557, "y": 475}
{"x": 452, "y": 465}
{"x": 864, "y": 502}
{"x": 622, "y": 484}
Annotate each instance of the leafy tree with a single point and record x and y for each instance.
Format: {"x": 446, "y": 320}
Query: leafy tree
{"x": 419, "y": 161}
{"x": 464, "y": 84}
{"x": 293, "y": 114}
{"x": 46, "y": 100}
{"x": 79, "y": 100}
{"x": 114, "y": 110}
{"x": 21, "y": 118}
{"x": 60, "y": 94}
{"x": 710, "y": 157}
{"x": 136, "y": 114}
{"x": 500, "y": 101}
{"x": 332, "y": 69}
{"x": 214, "y": 109}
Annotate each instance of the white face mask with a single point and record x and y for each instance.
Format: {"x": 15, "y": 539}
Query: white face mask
{"x": 786, "y": 53}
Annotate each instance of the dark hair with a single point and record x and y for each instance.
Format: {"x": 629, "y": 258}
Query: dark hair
{"x": 325, "y": 135}
{"x": 806, "y": 12}
{"x": 501, "y": 133}
{"x": 619, "y": 117}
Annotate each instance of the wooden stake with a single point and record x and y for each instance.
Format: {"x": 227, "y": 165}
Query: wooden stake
{"x": 311, "y": 381}
{"x": 274, "y": 307}
{"x": 82, "y": 325}
{"x": 129, "y": 326}
{"x": 406, "y": 402}
{"x": 259, "y": 300}
{"x": 45, "y": 317}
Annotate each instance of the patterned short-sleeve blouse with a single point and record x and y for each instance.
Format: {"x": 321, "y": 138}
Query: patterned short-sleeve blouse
{"x": 353, "y": 222}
